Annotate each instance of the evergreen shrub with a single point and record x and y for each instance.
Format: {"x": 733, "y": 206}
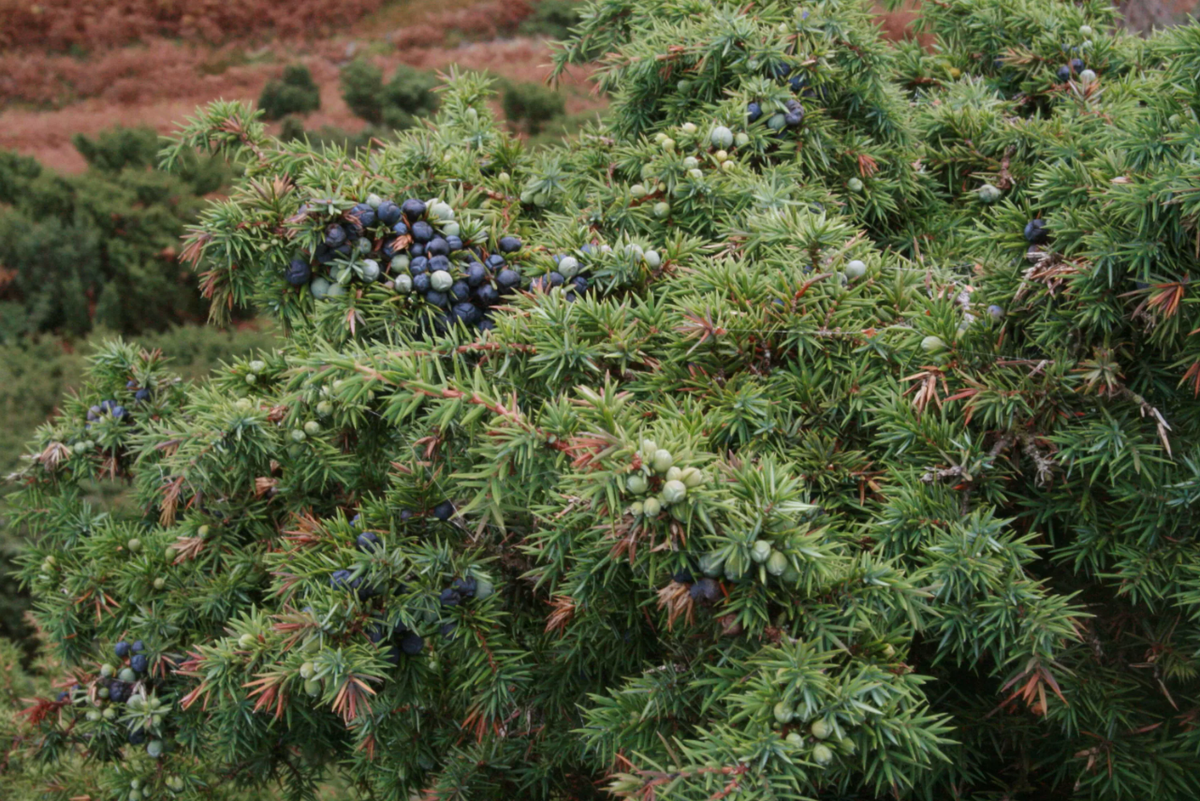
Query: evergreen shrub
{"x": 100, "y": 248}
{"x": 397, "y": 104}
{"x": 294, "y": 93}
{"x": 866, "y": 465}
{"x": 532, "y": 106}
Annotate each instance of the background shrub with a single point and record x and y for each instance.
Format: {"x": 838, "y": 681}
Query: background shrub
{"x": 408, "y": 96}
{"x": 293, "y": 129}
{"x": 395, "y": 106}
{"x": 552, "y": 18}
{"x": 295, "y": 93}
{"x": 531, "y": 106}
{"x": 117, "y": 148}
{"x": 362, "y": 89}
{"x": 100, "y": 248}
{"x": 16, "y": 173}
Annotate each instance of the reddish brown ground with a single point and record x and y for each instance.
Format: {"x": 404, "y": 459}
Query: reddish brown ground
{"x": 158, "y": 82}
{"x": 217, "y": 49}
{"x": 46, "y": 134}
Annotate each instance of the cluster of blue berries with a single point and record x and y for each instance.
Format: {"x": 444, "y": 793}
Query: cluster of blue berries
{"x": 121, "y": 686}
{"x": 459, "y": 592}
{"x": 414, "y": 248}
{"x": 395, "y": 640}
{"x": 369, "y": 541}
{"x": 791, "y": 117}
{"x": 345, "y": 580}
{"x": 140, "y": 394}
{"x": 461, "y": 589}
{"x": 793, "y": 112}
{"x": 116, "y": 686}
{"x": 567, "y": 273}
{"x": 112, "y": 409}
{"x": 1073, "y": 67}
{"x": 105, "y": 408}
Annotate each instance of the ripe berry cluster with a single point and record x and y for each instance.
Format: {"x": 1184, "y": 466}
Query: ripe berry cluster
{"x": 567, "y": 272}
{"x": 370, "y": 541}
{"x": 790, "y": 117}
{"x": 105, "y": 409}
{"x": 120, "y": 691}
{"x": 792, "y": 113}
{"x": 1071, "y": 68}
{"x": 706, "y": 589}
{"x": 395, "y": 640}
{"x": 406, "y": 641}
{"x": 399, "y": 640}
{"x": 1075, "y": 69}
{"x": 414, "y": 248}
{"x": 111, "y": 410}
{"x": 346, "y": 580}
{"x": 464, "y": 589}
{"x": 460, "y": 591}
{"x": 140, "y": 394}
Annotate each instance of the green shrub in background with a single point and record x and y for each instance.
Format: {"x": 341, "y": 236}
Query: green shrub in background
{"x": 100, "y": 248}
{"x": 293, "y": 130}
{"x": 362, "y": 89}
{"x": 93, "y": 249}
{"x": 531, "y": 106}
{"x": 120, "y": 148}
{"x": 407, "y": 97}
{"x": 552, "y": 18}
{"x": 295, "y": 93}
{"x": 564, "y": 127}
{"x": 16, "y": 173}
{"x": 35, "y": 374}
{"x": 396, "y": 105}
{"x": 22, "y": 777}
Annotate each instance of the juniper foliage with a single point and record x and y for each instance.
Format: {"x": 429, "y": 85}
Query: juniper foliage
{"x": 829, "y": 485}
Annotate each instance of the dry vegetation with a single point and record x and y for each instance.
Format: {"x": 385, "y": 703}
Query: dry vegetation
{"x": 158, "y": 81}
{"x": 46, "y": 135}
{"x": 102, "y": 24}
{"x": 68, "y": 66}
{"x": 157, "y": 63}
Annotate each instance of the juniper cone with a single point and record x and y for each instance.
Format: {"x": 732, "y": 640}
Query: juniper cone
{"x": 987, "y": 522}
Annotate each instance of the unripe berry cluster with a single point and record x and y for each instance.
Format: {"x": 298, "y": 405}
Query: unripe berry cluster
{"x": 662, "y": 480}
